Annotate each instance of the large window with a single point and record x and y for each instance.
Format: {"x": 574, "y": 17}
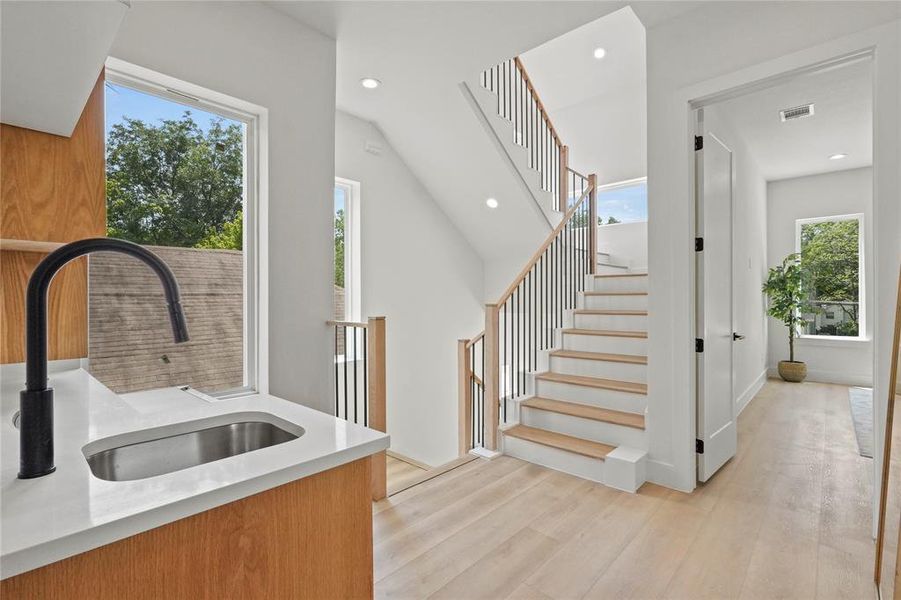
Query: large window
{"x": 181, "y": 179}
{"x": 625, "y": 202}
{"x": 831, "y": 251}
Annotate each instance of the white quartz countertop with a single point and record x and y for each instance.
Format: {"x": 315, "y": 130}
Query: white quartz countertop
{"x": 71, "y": 511}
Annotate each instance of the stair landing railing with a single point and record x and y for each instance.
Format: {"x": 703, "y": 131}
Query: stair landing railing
{"x": 360, "y": 390}
{"x": 494, "y": 366}
{"x": 519, "y": 103}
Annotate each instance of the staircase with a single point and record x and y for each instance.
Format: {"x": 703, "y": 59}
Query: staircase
{"x": 587, "y": 413}
{"x": 558, "y": 376}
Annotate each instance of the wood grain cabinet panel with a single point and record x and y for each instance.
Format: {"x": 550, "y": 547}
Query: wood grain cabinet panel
{"x": 311, "y": 538}
{"x": 52, "y": 188}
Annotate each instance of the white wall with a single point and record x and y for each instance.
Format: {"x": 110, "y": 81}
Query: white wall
{"x": 749, "y": 258}
{"x": 838, "y": 193}
{"x": 714, "y": 48}
{"x": 626, "y": 243}
{"x": 607, "y": 134}
{"x": 421, "y": 274}
{"x": 250, "y": 52}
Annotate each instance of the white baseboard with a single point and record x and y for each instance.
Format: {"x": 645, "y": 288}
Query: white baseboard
{"x": 666, "y": 475}
{"x": 408, "y": 460}
{"x": 742, "y": 401}
{"x": 859, "y": 379}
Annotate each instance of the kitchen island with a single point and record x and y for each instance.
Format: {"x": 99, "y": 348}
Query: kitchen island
{"x": 292, "y": 519}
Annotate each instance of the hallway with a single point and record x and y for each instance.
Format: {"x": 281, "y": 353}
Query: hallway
{"x": 789, "y": 517}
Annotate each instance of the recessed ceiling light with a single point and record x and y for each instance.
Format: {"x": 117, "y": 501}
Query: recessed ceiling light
{"x": 600, "y": 53}
{"x": 838, "y": 156}
{"x": 491, "y": 202}
{"x": 370, "y": 83}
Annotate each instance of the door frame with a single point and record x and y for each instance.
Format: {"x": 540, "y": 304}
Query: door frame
{"x": 740, "y": 83}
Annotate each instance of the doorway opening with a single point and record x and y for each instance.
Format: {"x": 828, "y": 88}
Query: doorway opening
{"x": 784, "y": 201}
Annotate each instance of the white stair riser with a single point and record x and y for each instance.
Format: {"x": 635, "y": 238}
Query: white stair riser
{"x": 619, "y": 284}
{"x": 587, "y": 429}
{"x": 605, "y": 343}
{"x": 612, "y": 322}
{"x": 611, "y": 269}
{"x": 603, "y": 398}
{"x": 638, "y": 302}
{"x": 554, "y": 458}
{"x": 600, "y": 368}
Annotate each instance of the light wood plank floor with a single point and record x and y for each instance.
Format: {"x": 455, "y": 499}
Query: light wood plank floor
{"x": 788, "y": 517}
{"x": 400, "y": 472}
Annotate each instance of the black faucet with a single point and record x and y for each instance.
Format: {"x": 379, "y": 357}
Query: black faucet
{"x": 36, "y": 400}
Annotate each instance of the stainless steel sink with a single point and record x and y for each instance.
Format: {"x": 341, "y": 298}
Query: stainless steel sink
{"x": 177, "y": 451}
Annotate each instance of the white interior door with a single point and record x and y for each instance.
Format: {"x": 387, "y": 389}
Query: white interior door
{"x": 716, "y": 430}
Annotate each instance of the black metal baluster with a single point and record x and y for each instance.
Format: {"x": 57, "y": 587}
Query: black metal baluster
{"x": 517, "y": 341}
{"x": 365, "y": 379}
{"x": 356, "y": 410}
{"x": 336, "y": 371}
{"x": 344, "y": 333}
{"x": 472, "y": 390}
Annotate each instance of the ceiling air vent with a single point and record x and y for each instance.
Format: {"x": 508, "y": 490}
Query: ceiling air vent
{"x": 796, "y": 112}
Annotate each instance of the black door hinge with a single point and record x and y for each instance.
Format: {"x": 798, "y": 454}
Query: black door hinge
{"x": 699, "y": 345}
{"x": 699, "y": 446}
{"x": 699, "y": 142}
{"x": 699, "y": 244}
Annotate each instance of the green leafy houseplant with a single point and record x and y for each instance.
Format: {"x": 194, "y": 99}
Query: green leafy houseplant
{"x": 785, "y": 289}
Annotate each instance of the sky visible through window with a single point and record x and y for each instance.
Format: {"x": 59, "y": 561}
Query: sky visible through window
{"x": 124, "y": 102}
{"x": 628, "y": 204}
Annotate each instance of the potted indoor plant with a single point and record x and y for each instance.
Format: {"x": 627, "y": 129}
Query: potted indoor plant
{"x": 785, "y": 289}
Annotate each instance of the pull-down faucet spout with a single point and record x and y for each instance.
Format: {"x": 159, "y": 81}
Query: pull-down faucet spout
{"x": 36, "y": 400}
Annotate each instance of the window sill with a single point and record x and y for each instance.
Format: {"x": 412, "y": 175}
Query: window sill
{"x": 832, "y": 340}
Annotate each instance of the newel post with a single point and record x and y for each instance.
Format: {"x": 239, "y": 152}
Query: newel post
{"x": 491, "y": 376}
{"x": 564, "y": 178}
{"x": 593, "y": 229}
{"x": 377, "y": 414}
{"x": 464, "y": 396}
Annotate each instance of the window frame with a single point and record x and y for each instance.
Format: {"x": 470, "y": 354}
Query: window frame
{"x": 255, "y": 206}
{"x": 861, "y": 274}
{"x": 353, "y": 298}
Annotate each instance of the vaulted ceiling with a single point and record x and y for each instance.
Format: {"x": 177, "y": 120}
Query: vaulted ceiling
{"x": 421, "y": 52}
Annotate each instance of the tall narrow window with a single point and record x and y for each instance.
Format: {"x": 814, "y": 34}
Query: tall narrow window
{"x": 831, "y": 251}
{"x": 180, "y": 180}
{"x": 347, "y": 250}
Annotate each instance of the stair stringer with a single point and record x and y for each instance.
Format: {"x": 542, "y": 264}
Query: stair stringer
{"x": 500, "y": 131}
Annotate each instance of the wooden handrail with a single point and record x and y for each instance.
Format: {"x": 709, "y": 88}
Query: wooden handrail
{"x": 347, "y": 323}
{"x": 550, "y": 239}
{"x": 475, "y": 340}
{"x": 544, "y": 113}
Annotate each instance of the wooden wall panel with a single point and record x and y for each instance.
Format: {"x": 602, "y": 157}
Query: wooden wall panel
{"x": 308, "y": 539}
{"x": 52, "y": 188}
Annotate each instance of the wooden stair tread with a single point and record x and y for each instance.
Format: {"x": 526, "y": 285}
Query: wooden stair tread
{"x": 604, "y": 356}
{"x": 611, "y": 311}
{"x": 623, "y": 275}
{"x": 560, "y": 441}
{"x": 595, "y": 382}
{"x": 606, "y": 332}
{"x": 588, "y": 293}
{"x": 585, "y": 411}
